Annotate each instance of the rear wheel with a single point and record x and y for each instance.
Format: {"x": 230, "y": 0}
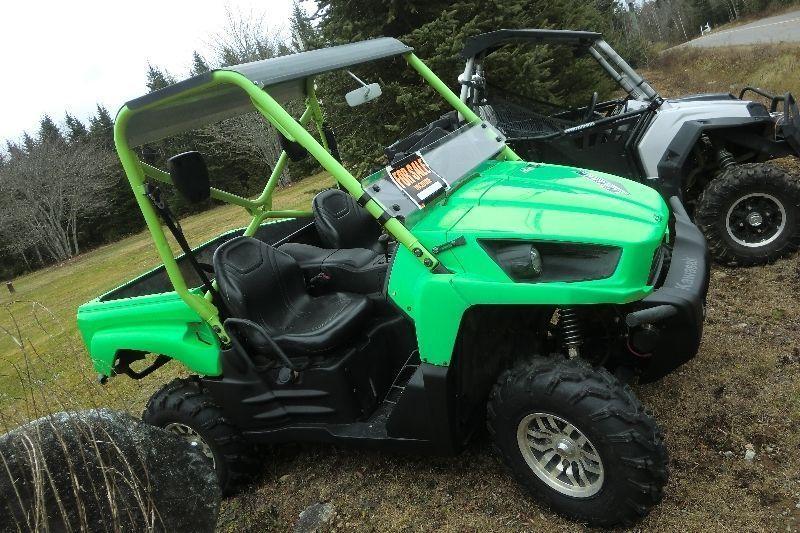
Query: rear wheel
{"x": 750, "y": 215}
{"x": 578, "y": 440}
{"x": 183, "y": 408}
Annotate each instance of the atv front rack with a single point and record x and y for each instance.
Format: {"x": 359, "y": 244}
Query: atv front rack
{"x": 788, "y": 123}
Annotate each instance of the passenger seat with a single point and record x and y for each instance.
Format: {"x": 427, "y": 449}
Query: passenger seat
{"x": 351, "y": 257}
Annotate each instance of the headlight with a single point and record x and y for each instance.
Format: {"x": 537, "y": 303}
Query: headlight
{"x": 530, "y": 261}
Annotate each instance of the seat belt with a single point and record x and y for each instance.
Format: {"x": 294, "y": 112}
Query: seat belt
{"x": 153, "y": 192}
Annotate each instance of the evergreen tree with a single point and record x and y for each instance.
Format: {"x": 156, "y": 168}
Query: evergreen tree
{"x": 76, "y": 130}
{"x": 199, "y": 65}
{"x": 14, "y": 150}
{"x": 157, "y": 78}
{"x": 49, "y": 131}
{"x": 101, "y": 127}
{"x": 28, "y": 142}
{"x": 304, "y": 36}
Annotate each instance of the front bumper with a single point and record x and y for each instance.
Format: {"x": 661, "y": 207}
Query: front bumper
{"x": 677, "y": 308}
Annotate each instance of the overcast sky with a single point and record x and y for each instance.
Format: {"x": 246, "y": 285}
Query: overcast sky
{"x": 62, "y": 56}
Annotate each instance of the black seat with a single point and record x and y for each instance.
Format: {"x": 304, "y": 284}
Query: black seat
{"x": 350, "y": 252}
{"x": 264, "y": 285}
{"x": 342, "y": 223}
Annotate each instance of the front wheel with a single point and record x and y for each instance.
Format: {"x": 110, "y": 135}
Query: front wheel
{"x": 750, "y": 215}
{"x": 182, "y": 407}
{"x": 578, "y": 440}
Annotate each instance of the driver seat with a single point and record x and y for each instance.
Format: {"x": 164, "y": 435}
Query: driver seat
{"x": 263, "y": 285}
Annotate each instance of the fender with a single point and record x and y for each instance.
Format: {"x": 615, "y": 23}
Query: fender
{"x": 671, "y": 167}
{"x": 160, "y": 324}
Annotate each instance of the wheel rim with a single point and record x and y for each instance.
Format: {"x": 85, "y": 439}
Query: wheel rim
{"x": 560, "y": 455}
{"x": 755, "y": 220}
{"x": 193, "y": 438}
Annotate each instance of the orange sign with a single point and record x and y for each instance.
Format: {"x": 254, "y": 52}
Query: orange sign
{"x": 416, "y": 179}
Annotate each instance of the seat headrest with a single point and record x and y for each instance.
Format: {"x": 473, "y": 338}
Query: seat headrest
{"x": 341, "y": 222}
{"x": 189, "y": 175}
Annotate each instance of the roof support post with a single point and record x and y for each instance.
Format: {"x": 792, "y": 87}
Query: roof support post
{"x": 133, "y": 169}
{"x": 277, "y": 115}
{"x": 451, "y": 97}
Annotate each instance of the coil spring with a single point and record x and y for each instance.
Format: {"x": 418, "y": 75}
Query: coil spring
{"x": 570, "y": 324}
{"x": 725, "y": 159}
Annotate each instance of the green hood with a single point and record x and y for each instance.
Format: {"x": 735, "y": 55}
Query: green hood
{"x": 550, "y": 202}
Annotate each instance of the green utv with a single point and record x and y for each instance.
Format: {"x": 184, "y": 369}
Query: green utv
{"x": 458, "y": 287}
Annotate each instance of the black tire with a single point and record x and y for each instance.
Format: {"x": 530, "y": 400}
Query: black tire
{"x": 726, "y": 191}
{"x": 183, "y": 401}
{"x": 624, "y": 436}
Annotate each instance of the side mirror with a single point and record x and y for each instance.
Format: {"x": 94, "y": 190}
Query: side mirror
{"x": 190, "y": 176}
{"x": 363, "y": 94}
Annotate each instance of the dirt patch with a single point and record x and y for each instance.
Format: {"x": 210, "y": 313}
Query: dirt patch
{"x": 743, "y": 388}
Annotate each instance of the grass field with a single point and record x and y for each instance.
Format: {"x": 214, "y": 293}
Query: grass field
{"x": 743, "y": 388}
{"x": 42, "y": 314}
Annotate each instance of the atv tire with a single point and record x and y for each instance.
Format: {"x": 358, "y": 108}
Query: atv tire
{"x": 184, "y": 408}
{"x": 575, "y": 414}
{"x": 750, "y": 215}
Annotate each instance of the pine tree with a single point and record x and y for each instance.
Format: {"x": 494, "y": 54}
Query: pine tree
{"x": 199, "y": 65}
{"x": 28, "y": 142}
{"x": 49, "y": 131}
{"x": 101, "y": 128}
{"x": 76, "y": 130}
{"x": 14, "y": 150}
{"x": 157, "y": 78}
{"x": 304, "y": 36}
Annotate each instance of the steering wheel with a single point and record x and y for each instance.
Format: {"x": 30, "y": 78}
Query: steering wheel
{"x": 590, "y": 107}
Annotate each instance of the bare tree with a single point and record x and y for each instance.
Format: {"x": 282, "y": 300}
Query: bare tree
{"x": 48, "y": 190}
{"x": 246, "y": 37}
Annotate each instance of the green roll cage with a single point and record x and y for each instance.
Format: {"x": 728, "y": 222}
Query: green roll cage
{"x": 261, "y": 207}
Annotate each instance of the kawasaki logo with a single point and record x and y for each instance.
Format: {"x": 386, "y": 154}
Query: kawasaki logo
{"x": 689, "y": 274}
{"x": 608, "y": 185}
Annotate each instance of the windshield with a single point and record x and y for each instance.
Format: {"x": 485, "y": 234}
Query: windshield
{"x": 419, "y": 179}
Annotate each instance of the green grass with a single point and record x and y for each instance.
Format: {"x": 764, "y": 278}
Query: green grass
{"x": 52, "y": 371}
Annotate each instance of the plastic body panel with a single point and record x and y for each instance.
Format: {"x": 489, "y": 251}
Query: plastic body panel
{"x": 157, "y": 323}
{"x": 684, "y": 290}
{"x": 524, "y": 201}
{"x": 672, "y": 115}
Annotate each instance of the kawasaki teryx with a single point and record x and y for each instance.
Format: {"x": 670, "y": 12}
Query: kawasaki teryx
{"x": 708, "y": 149}
{"x": 456, "y": 287}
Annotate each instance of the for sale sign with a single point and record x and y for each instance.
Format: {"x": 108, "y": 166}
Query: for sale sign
{"x": 416, "y": 179}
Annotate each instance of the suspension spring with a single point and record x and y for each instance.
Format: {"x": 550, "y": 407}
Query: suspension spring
{"x": 725, "y": 159}
{"x": 571, "y": 334}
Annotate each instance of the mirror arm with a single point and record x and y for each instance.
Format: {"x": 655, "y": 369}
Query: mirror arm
{"x": 359, "y": 80}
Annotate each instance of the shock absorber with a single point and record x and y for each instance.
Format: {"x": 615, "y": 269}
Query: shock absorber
{"x": 571, "y": 334}
{"x": 725, "y": 159}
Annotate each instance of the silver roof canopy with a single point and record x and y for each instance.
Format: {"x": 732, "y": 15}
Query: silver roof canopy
{"x": 283, "y": 77}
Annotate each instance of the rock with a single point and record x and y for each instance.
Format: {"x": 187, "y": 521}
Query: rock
{"x": 749, "y": 446}
{"x": 727, "y": 453}
{"x": 740, "y": 326}
{"x": 769, "y": 449}
{"x": 749, "y": 456}
{"x": 284, "y": 478}
{"x": 315, "y": 518}
{"x": 76, "y": 471}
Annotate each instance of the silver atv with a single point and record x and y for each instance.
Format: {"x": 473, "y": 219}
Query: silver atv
{"x": 709, "y": 149}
